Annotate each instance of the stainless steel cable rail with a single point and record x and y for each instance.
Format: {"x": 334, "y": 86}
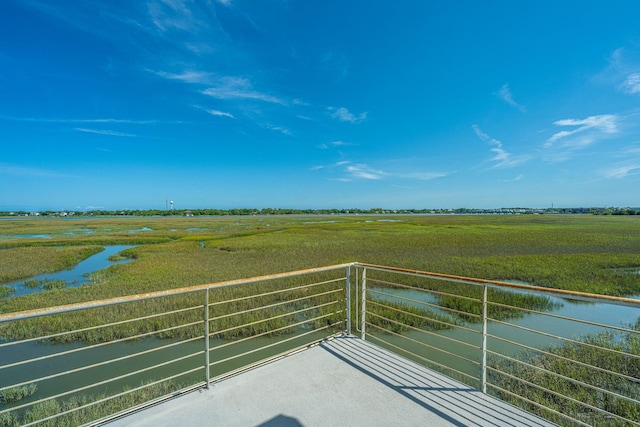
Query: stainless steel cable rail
{"x": 93, "y": 361}
{"x": 535, "y": 358}
{"x": 97, "y": 360}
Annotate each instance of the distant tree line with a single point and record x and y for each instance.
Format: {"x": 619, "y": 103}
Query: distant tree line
{"x": 352, "y": 211}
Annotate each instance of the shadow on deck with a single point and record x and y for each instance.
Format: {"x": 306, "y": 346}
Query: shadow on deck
{"x": 343, "y": 381}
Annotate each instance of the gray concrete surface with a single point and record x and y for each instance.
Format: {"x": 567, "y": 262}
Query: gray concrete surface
{"x": 341, "y": 382}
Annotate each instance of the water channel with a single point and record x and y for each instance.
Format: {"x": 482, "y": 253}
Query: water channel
{"x": 74, "y": 277}
{"x": 595, "y": 313}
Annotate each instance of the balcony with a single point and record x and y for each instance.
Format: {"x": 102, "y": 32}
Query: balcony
{"x": 353, "y": 344}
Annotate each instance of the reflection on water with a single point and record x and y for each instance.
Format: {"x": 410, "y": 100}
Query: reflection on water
{"x": 550, "y": 326}
{"x": 139, "y": 230}
{"x": 25, "y": 236}
{"x": 113, "y": 364}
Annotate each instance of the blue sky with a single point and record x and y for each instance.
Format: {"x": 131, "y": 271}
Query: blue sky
{"x": 113, "y": 104}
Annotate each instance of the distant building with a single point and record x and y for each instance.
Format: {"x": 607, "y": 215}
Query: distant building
{"x": 188, "y": 213}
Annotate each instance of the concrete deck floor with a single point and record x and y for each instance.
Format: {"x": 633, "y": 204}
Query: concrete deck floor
{"x": 341, "y": 382}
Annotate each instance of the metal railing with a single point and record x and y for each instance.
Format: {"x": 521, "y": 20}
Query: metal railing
{"x": 551, "y": 352}
{"x": 570, "y": 357}
{"x": 95, "y": 361}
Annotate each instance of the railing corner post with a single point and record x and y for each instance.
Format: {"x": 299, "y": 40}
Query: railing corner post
{"x": 363, "y": 305}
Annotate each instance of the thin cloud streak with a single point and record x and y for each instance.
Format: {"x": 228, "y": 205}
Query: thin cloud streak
{"x": 198, "y": 77}
{"x": 173, "y": 14}
{"x": 9, "y": 169}
{"x": 107, "y": 132}
{"x": 344, "y": 115}
{"x": 239, "y": 88}
{"x": 220, "y": 113}
{"x": 632, "y": 84}
{"x": 622, "y": 171}
{"x": 502, "y": 158}
{"x": 68, "y": 121}
{"x": 361, "y": 171}
{"x": 598, "y": 125}
{"x": 332, "y": 144}
{"x": 505, "y": 95}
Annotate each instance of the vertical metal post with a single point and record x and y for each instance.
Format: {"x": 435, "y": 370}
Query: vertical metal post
{"x": 484, "y": 339}
{"x": 348, "y": 290}
{"x": 206, "y": 336}
{"x": 357, "y": 296}
{"x": 363, "y": 306}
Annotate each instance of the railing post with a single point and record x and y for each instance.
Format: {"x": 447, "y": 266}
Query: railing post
{"x": 484, "y": 339}
{"x": 356, "y": 295}
{"x": 206, "y": 336}
{"x": 363, "y": 306}
{"x": 348, "y": 290}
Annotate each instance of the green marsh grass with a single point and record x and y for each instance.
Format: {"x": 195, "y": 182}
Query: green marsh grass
{"x": 601, "y": 350}
{"x": 22, "y": 262}
{"x": 90, "y": 413}
{"x": 569, "y": 252}
{"x": 16, "y": 394}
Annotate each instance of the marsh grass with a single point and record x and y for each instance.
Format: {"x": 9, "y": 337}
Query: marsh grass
{"x": 569, "y": 252}
{"x": 233, "y": 310}
{"x": 464, "y": 301}
{"x": 6, "y": 291}
{"x": 28, "y": 261}
{"x": 602, "y": 351}
{"x": 44, "y": 284}
{"x": 90, "y": 413}
{"x": 16, "y": 394}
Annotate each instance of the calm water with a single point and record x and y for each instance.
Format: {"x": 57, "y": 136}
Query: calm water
{"x": 76, "y": 276}
{"x": 605, "y": 314}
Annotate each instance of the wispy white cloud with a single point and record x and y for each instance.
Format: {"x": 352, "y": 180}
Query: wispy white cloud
{"x": 173, "y": 14}
{"x": 591, "y": 129}
{"x": 332, "y": 144}
{"x": 239, "y": 88}
{"x": 344, "y": 115}
{"x": 106, "y": 132}
{"x": 424, "y": 176}
{"x": 623, "y": 70}
{"x": 505, "y": 95}
{"x": 280, "y": 129}
{"x": 220, "y": 113}
{"x": 362, "y": 171}
{"x": 25, "y": 171}
{"x": 621, "y": 171}
{"x": 199, "y": 77}
{"x": 354, "y": 171}
{"x": 631, "y": 84}
{"x": 520, "y": 177}
{"x": 99, "y": 120}
{"x": 502, "y": 158}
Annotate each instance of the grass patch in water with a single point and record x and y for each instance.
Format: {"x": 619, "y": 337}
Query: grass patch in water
{"x": 44, "y": 284}
{"x": 16, "y": 394}
{"x": 5, "y": 291}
